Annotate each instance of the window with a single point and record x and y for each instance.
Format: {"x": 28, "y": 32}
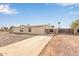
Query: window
{"x": 21, "y": 30}
{"x": 29, "y": 29}
{"x": 51, "y": 30}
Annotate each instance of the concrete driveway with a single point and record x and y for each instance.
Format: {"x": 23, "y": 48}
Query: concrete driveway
{"x": 28, "y": 47}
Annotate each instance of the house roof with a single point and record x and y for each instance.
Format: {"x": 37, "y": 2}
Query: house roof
{"x": 25, "y": 26}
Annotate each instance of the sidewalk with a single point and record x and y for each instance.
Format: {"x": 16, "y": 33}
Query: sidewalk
{"x": 29, "y": 47}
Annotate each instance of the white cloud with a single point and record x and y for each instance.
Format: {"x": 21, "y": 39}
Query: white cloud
{"x": 6, "y": 9}
{"x": 66, "y": 4}
{"x": 70, "y": 5}
{"x": 74, "y": 12}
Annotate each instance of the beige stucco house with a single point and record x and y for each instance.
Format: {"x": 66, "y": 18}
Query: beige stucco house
{"x": 37, "y": 29}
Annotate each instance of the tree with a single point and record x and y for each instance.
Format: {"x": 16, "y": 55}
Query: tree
{"x": 11, "y": 27}
{"x": 52, "y": 26}
{"x": 75, "y": 24}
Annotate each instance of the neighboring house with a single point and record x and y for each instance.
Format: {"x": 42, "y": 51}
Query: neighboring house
{"x": 4, "y": 29}
{"x": 76, "y": 30}
{"x": 39, "y": 29}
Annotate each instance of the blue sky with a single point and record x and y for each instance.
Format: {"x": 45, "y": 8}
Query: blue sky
{"x": 38, "y": 13}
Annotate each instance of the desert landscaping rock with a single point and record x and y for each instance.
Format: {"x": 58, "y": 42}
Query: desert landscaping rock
{"x": 62, "y": 45}
{"x": 8, "y": 38}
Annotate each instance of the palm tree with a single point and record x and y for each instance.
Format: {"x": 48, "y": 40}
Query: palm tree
{"x": 59, "y": 24}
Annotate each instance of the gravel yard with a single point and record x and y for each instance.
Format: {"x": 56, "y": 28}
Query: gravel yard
{"x": 7, "y": 38}
{"x": 62, "y": 45}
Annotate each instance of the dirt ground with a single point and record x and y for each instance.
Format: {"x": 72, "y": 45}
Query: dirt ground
{"x": 62, "y": 45}
{"x": 8, "y": 38}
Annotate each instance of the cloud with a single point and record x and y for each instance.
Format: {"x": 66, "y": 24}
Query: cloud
{"x": 70, "y": 5}
{"x": 6, "y": 9}
{"x": 72, "y": 8}
{"x": 66, "y": 4}
{"x": 74, "y": 12}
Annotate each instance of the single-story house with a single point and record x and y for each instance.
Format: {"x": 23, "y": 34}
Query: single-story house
{"x": 37, "y": 29}
{"x": 4, "y": 29}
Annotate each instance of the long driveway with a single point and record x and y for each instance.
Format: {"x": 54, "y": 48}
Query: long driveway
{"x": 28, "y": 47}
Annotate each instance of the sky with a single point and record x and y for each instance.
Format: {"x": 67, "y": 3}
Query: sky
{"x": 38, "y": 14}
